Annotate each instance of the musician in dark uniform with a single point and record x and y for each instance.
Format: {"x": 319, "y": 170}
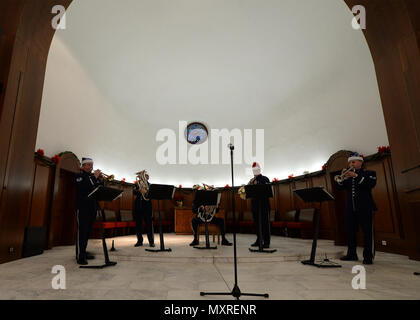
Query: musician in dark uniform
{"x": 196, "y": 221}
{"x": 265, "y": 209}
{"x": 360, "y": 207}
{"x": 86, "y": 208}
{"x": 143, "y": 210}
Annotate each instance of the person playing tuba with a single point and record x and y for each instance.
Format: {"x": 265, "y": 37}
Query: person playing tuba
{"x": 143, "y": 208}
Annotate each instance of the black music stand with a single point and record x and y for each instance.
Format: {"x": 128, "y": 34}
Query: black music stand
{"x": 317, "y": 194}
{"x": 236, "y": 292}
{"x": 160, "y": 192}
{"x": 206, "y": 198}
{"x": 259, "y": 192}
{"x": 105, "y": 194}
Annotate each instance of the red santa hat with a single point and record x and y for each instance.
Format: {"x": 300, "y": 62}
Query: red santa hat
{"x": 256, "y": 169}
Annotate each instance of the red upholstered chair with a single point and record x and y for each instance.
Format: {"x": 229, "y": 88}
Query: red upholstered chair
{"x": 289, "y": 216}
{"x": 167, "y": 222}
{"x": 127, "y": 217}
{"x": 246, "y": 222}
{"x": 110, "y": 223}
{"x": 229, "y": 221}
{"x": 304, "y": 224}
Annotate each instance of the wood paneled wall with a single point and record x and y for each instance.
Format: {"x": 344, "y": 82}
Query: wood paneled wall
{"x": 53, "y": 195}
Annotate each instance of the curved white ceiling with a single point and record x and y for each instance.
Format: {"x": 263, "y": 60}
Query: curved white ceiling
{"x": 123, "y": 70}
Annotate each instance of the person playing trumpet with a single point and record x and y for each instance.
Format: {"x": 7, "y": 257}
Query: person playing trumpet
{"x": 86, "y": 208}
{"x": 360, "y": 207}
{"x": 143, "y": 208}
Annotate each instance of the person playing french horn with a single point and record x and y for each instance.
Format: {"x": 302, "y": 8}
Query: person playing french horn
{"x": 360, "y": 207}
{"x": 207, "y": 211}
{"x": 143, "y": 208}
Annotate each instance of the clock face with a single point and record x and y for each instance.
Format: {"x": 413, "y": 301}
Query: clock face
{"x": 196, "y": 133}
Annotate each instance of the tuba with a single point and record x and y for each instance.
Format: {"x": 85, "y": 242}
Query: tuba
{"x": 142, "y": 183}
{"x": 241, "y": 190}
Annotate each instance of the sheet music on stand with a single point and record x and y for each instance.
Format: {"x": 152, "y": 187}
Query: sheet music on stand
{"x": 108, "y": 191}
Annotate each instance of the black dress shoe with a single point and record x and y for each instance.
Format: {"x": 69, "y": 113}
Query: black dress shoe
{"x": 266, "y": 246}
{"x": 138, "y": 244}
{"x": 82, "y": 262}
{"x": 90, "y": 256}
{"x": 367, "y": 261}
{"x": 151, "y": 245}
{"x": 349, "y": 258}
{"x": 255, "y": 244}
{"x": 194, "y": 243}
{"x": 225, "y": 242}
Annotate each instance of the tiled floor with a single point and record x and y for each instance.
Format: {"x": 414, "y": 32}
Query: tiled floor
{"x": 184, "y": 272}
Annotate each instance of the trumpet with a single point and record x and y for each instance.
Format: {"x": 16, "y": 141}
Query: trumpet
{"x": 341, "y": 177}
{"x": 107, "y": 177}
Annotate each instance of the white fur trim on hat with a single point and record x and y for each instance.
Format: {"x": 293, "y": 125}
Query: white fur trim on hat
{"x": 86, "y": 160}
{"x": 355, "y": 158}
{"x": 256, "y": 169}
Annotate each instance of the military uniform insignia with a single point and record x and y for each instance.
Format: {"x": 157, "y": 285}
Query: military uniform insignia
{"x": 79, "y": 179}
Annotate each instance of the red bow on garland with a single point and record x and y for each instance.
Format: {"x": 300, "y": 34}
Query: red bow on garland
{"x": 384, "y": 149}
{"x": 56, "y": 159}
{"x": 40, "y": 152}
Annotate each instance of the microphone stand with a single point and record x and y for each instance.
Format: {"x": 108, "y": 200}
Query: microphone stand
{"x": 236, "y": 292}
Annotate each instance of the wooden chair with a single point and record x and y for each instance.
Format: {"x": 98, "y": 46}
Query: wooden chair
{"x": 214, "y": 230}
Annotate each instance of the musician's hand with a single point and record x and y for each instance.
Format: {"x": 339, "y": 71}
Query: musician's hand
{"x": 97, "y": 173}
{"x": 351, "y": 174}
